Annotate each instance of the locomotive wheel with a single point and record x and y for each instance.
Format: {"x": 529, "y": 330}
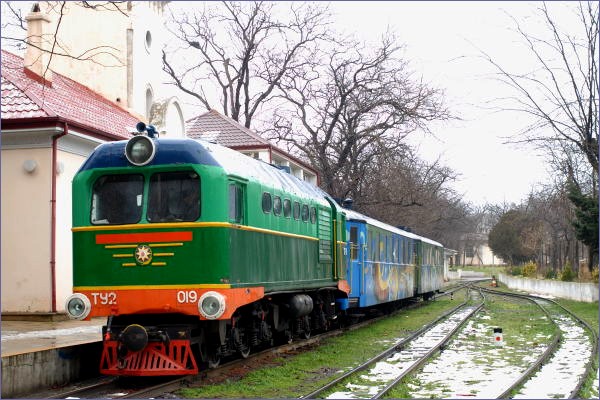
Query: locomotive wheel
{"x": 241, "y": 342}
{"x": 306, "y": 330}
{"x": 243, "y": 346}
{"x": 213, "y": 361}
{"x": 244, "y": 351}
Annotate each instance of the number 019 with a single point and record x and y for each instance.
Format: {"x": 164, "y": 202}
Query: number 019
{"x": 187, "y": 296}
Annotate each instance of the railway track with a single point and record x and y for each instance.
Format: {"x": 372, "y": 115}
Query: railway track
{"x": 556, "y": 367}
{"x": 387, "y": 369}
{"x": 567, "y": 361}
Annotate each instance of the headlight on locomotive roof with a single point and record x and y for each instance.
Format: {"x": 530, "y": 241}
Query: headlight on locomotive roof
{"x": 78, "y": 306}
{"x": 211, "y": 305}
{"x": 140, "y": 150}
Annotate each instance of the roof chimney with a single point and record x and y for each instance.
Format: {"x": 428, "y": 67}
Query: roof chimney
{"x": 37, "y": 54}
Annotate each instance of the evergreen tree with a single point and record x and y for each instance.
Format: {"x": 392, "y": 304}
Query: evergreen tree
{"x": 586, "y": 220}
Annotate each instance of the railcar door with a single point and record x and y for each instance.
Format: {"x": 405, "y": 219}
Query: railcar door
{"x": 356, "y": 250}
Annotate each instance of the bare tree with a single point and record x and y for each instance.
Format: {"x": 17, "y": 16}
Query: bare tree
{"x": 404, "y": 190}
{"x": 245, "y": 49}
{"x": 562, "y": 93}
{"x": 351, "y": 107}
{"x": 562, "y": 96}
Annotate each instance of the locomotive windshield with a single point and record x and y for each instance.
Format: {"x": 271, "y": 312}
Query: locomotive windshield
{"x": 117, "y": 199}
{"x": 174, "y": 196}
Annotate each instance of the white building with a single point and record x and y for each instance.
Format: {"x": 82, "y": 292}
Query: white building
{"x": 55, "y": 111}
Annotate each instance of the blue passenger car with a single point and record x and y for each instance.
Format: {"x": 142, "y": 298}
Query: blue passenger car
{"x": 384, "y": 262}
{"x": 430, "y": 258}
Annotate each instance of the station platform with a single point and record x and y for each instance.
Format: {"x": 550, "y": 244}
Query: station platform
{"x": 20, "y": 337}
{"x": 38, "y": 355}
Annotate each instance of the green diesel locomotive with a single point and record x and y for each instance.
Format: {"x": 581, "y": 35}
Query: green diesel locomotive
{"x": 195, "y": 252}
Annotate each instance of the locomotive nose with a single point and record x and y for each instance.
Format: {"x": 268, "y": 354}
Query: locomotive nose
{"x": 134, "y": 337}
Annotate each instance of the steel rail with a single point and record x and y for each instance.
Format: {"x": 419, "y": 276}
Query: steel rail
{"x": 430, "y": 353}
{"x": 85, "y": 387}
{"x": 394, "y": 349}
{"x": 556, "y": 338}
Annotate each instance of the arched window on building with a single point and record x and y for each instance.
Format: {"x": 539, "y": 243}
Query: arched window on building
{"x": 174, "y": 122}
{"x": 149, "y": 101}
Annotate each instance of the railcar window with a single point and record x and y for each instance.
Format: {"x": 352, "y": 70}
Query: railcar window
{"x": 371, "y": 245}
{"x": 267, "y": 202}
{"x": 287, "y": 208}
{"x": 353, "y": 242}
{"x": 117, "y": 199}
{"x": 304, "y": 213}
{"x": 174, "y": 196}
{"x": 296, "y": 210}
{"x": 277, "y": 205}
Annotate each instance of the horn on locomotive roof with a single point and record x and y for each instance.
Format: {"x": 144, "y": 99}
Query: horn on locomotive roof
{"x": 150, "y": 129}
{"x": 347, "y": 203}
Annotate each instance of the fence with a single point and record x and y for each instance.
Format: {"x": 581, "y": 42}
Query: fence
{"x": 587, "y": 292}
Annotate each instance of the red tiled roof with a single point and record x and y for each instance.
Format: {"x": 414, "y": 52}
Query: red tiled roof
{"x": 25, "y": 97}
{"x": 215, "y": 127}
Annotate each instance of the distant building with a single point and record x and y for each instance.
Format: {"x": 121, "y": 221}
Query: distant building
{"x": 474, "y": 250}
{"x": 215, "y": 127}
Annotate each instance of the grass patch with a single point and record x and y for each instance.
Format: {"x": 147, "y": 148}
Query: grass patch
{"x": 300, "y": 374}
{"x": 586, "y": 311}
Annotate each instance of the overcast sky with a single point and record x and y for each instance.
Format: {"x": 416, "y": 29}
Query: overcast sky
{"x": 444, "y": 41}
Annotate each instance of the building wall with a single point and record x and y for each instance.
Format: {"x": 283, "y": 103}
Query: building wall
{"x": 480, "y": 255}
{"x": 26, "y": 230}
{"x": 125, "y": 65}
{"x": 69, "y": 163}
{"x": 27, "y": 218}
{"x": 87, "y": 32}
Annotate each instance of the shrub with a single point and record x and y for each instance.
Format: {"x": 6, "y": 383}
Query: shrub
{"x": 550, "y": 274}
{"x": 595, "y": 274}
{"x": 567, "y": 274}
{"x": 530, "y": 269}
{"x": 515, "y": 270}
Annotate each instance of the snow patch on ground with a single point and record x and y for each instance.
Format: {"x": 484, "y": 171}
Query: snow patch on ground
{"x": 559, "y": 376}
{"x": 13, "y": 335}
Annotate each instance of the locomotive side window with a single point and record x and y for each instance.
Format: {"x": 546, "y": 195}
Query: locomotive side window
{"x": 304, "y": 213}
{"x": 287, "y": 208}
{"x": 117, "y": 199}
{"x": 313, "y": 215}
{"x": 267, "y": 202}
{"x": 174, "y": 196}
{"x": 296, "y": 210}
{"x": 277, "y": 205}
{"x": 236, "y": 203}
